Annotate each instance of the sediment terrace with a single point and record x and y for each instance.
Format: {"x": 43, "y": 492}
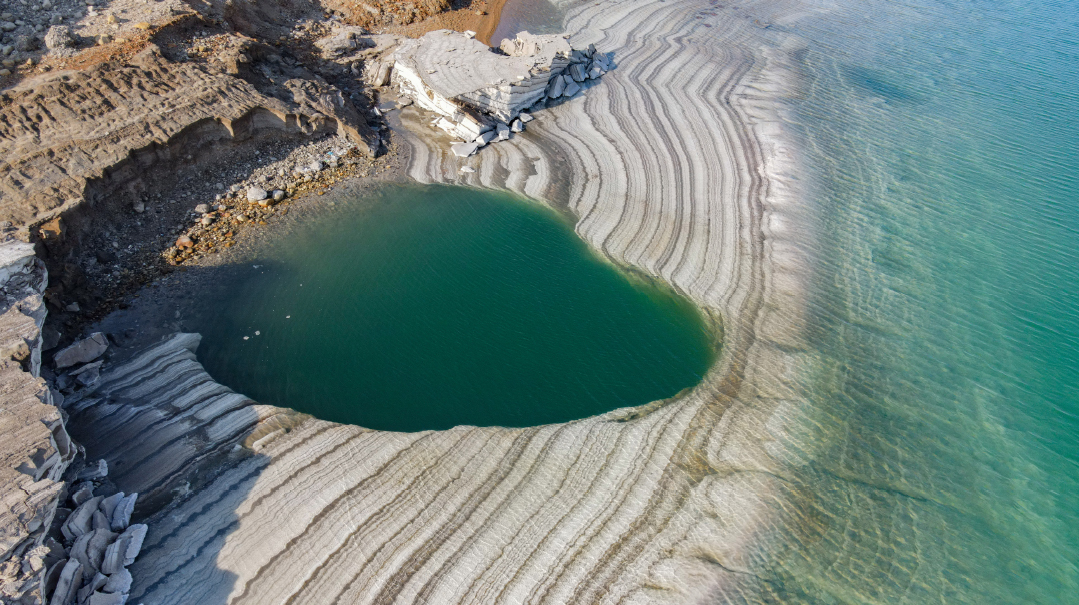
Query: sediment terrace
{"x": 676, "y": 165}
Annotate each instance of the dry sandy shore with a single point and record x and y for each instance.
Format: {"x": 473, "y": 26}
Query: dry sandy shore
{"x": 676, "y": 163}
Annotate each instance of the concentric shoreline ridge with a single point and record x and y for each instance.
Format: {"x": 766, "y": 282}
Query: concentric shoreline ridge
{"x": 676, "y": 164}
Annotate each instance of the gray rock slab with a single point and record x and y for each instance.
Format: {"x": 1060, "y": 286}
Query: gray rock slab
{"x": 80, "y": 521}
{"x": 108, "y": 505}
{"x": 94, "y": 470}
{"x": 88, "y": 374}
{"x": 68, "y": 584}
{"x": 119, "y": 582}
{"x": 83, "y": 351}
{"x": 121, "y": 516}
{"x": 463, "y": 150}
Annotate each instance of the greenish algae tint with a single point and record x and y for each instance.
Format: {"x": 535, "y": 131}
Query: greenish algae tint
{"x": 427, "y": 307}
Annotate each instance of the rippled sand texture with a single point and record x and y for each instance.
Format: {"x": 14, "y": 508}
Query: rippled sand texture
{"x": 676, "y": 165}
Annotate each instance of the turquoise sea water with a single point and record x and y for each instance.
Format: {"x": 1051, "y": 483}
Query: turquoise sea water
{"x": 429, "y": 307}
{"x": 942, "y": 144}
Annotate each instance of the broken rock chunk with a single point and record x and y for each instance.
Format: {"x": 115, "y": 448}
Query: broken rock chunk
{"x": 463, "y": 150}
{"x": 83, "y": 351}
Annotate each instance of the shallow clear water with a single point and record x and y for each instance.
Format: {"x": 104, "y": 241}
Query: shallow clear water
{"x": 430, "y": 307}
{"x": 942, "y": 139}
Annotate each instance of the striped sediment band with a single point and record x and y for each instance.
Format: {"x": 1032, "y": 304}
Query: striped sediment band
{"x": 675, "y": 164}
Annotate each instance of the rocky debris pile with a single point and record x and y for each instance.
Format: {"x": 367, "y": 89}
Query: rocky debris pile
{"x": 81, "y": 362}
{"x": 369, "y": 13}
{"x": 481, "y": 96}
{"x": 253, "y": 201}
{"x": 59, "y": 38}
{"x": 35, "y": 450}
{"x": 149, "y": 104}
{"x": 344, "y": 41}
{"x": 27, "y": 34}
{"x": 87, "y": 562}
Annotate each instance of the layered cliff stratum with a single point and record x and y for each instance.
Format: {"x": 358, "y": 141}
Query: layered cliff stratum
{"x": 676, "y": 164}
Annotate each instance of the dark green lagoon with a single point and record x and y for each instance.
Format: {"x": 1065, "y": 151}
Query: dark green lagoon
{"x": 430, "y": 307}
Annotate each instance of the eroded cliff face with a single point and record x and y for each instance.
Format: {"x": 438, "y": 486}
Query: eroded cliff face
{"x": 75, "y": 138}
{"x": 35, "y": 449}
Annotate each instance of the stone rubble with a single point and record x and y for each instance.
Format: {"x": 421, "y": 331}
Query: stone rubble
{"x": 88, "y": 561}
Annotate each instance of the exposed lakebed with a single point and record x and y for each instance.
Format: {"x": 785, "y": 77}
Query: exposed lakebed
{"x": 420, "y": 307}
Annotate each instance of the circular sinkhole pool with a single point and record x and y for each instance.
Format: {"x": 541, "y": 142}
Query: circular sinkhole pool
{"x": 427, "y": 307}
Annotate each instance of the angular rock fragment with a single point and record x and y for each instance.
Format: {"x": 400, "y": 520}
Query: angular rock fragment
{"x": 108, "y": 505}
{"x": 79, "y": 522}
{"x": 517, "y": 126}
{"x": 124, "y": 550}
{"x": 82, "y": 492}
{"x": 95, "y": 584}
{"x": 577, "y": 72}
{"x": 83, "y": 351}
{"x": 95, "y": 547}
{"x": 463, "y": 150}
{"x": 555, "y": 88}
{"x": 88, "y": 374}
{"x": 121, "y": 516}
{"x": 119, "y": 582}
{"x": 93, "y": 471}
{"x": 100, "y": 521}
{"x": 68, "y": 584}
